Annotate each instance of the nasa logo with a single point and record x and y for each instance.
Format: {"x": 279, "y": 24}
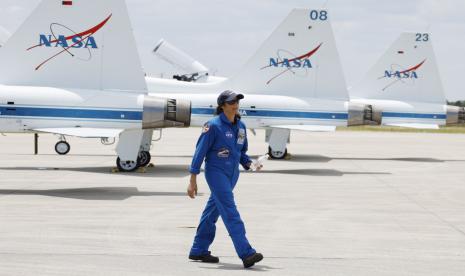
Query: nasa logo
{"x": 62, "y": 41}
{"x": 70, "y": 42}
{"x": 294, "y": 63}
{"x": 401, "y": 74}
{"x": 410, "y": 73}
{"x": 290, "y": 64}
{"x": 406, "y": 76}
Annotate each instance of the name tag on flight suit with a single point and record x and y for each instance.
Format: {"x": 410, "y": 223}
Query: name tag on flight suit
{"x": 223, "y": 153}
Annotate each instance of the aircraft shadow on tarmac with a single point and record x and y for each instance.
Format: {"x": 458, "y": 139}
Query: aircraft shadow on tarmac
{"x": 69, "y": 154}
{"x": 325, "y": 159}
{"x": 153, "y": 172}
{"x": 182, "y": 171}
{"x": 313, "y": 158}
{"x": 95, "y": 193}
{"x": 318, "y": 172}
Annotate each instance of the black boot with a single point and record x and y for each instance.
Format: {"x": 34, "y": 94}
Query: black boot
{"x": 252, "y": 259}
{"x": 207, "y": 258}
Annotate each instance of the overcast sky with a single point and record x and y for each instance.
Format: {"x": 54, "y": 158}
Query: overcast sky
{"x": 224, "y": 34}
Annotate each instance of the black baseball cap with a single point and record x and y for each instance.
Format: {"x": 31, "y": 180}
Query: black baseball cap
{"x": 228, "y": 96}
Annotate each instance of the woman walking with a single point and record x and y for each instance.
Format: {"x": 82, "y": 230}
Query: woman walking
{"x": 223, "y": 145}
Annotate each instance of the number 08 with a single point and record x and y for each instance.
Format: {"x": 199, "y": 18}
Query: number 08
{"x": 319, "y": 15}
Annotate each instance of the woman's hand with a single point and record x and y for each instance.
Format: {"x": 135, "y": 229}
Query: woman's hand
{"x": 192, "y": 188}
{"x": 256, "y": 167}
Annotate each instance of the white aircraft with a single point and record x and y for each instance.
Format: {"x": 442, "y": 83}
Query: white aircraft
{"x": 293, "y": 82}
{"x": 404, "y": 87}
{"x": 411, "y": 101}
{"x": 73, "y": 69}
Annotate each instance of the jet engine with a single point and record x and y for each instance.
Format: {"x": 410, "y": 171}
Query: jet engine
{"x": 455, "y": 115}
{"x": 363, "y": 114}
{"x": 162, "y": 113}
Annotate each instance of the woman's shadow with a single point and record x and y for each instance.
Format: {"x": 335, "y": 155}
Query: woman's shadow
{"x": 231, "y": 267}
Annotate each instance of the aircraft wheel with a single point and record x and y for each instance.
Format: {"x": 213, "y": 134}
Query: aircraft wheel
{"x": 127, "y": 166}
{"x": 277, "y": 154}
{"x": 62, "y": 147}
{"x": 144, "y": 158}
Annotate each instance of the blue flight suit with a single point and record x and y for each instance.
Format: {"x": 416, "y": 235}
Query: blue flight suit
{"x": 223, "y": 145}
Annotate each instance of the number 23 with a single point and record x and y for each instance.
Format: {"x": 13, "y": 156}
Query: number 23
{"x": 422, "y": 37}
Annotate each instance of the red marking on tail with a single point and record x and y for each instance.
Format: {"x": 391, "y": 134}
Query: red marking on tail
{"x": 414, "y": 67}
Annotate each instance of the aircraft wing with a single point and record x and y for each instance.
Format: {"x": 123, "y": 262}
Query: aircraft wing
{"x": 83, "y": 132}
{"x": 313, "y": 128}
{"x": 413, "y": 125}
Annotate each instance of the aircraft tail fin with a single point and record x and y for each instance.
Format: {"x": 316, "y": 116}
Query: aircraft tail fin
{"x": 406, "y": 72}
{"x": 300, "y": 59}
{"x": 74, "y": 44}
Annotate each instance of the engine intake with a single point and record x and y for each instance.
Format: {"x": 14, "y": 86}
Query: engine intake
{"x": 163, "y": 113}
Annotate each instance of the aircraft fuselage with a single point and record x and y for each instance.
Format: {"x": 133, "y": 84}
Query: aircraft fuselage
{"x": 23, "y": 109}
{"x": 257, "y": 110}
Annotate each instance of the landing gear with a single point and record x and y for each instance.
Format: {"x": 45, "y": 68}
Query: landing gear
{"x": 277, "y": 139}
{"x": 62, "y": 147}
{"x": 128, "y": 150}
{"x": 127, "y": 166}
{"x": 277, "y": 154}
{"x": 144, "y": 158}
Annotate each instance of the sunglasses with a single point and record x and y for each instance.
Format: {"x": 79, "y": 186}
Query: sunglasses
{"x": 233, "y": 102}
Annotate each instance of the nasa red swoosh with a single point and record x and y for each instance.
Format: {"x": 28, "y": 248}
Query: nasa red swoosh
{"x": 89, "y": 32}
{"x": 413, "y": 68}
{"x": 307, "y": 55}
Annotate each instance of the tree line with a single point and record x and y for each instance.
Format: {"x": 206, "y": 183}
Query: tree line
{"x": 457, "y": 103}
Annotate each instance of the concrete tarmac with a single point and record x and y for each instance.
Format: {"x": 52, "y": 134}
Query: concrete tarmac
{"x": 347, "y": 203}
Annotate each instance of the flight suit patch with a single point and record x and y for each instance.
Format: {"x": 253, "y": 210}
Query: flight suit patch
{"x": 241, "y": 136}
{"x": 205, "y": 128}
{"x": 223, "y": 153}
{"x": 229, "y": 134}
